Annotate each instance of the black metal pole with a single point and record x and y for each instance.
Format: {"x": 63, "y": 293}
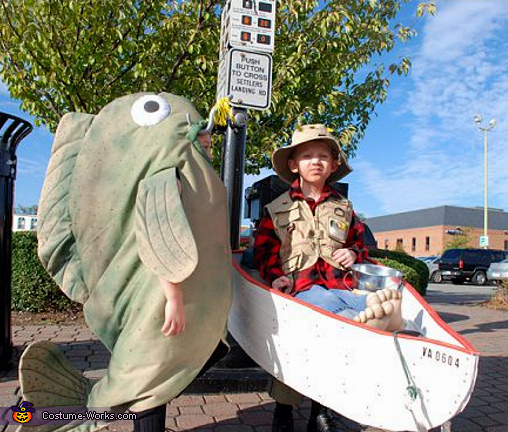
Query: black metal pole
{"x": 232, "y": 170}
{"x": 12, "y": 131}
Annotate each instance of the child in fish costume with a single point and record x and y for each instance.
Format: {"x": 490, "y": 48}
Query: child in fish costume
{"x": 130, "y": 197}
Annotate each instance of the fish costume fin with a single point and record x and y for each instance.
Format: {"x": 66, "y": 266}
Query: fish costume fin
{"x": 48, "y": 379}
{"x": 56, "y": 242}
{"x": 165, "y": 241}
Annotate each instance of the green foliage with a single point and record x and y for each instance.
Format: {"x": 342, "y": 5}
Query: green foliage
{"x": 419, "y": 267}
{"x": 70, "y": 55}
{"x": 33, "y": 290}
{"x": 409, "y": 274}
{"x": 400, "y": 248}
{"x": 361, "y": 216}
{"x": 426, "y": 7}
{"x": 461, "y": 241}
{"x": 28, "y": 210}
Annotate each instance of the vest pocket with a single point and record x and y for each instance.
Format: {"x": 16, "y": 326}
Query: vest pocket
{"x": 284, "y": 218}
{"x": 338, "y": 229}
{"x": 292, "y": 264}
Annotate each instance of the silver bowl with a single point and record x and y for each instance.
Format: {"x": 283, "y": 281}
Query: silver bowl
{"x": 372, "y": 277}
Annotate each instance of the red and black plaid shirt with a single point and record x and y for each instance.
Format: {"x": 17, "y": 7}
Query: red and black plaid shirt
{"x": 267, "y": 247}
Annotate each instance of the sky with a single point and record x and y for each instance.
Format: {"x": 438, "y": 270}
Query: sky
{"x": 423, "y": 148}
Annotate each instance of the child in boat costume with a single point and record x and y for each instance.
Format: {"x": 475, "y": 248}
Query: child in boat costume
{"x": 133, "y": 224}
{"x": 308, "y": 238}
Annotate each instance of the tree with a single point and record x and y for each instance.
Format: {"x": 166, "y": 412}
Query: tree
{"x": 399, "y": 247}
{"x": 58, "y": 56}
{"x": 462, "y": 240}
{"x": 27, "y": 210}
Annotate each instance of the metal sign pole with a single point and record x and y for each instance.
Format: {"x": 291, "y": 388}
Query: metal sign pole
{"x": 12, "y": 131}
{"x": 232, "y": 170}
{"x": 244, "y": 77}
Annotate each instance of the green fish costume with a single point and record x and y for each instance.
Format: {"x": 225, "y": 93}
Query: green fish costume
{"x": 111, "y": 222}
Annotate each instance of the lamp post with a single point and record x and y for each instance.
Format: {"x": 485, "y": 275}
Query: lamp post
{"x": 485, "y": 129}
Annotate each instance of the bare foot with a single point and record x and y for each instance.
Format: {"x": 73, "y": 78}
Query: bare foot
{"x": 383, "y": 310}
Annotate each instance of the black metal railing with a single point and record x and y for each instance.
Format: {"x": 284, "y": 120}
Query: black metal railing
{"x": 12, "y": 132}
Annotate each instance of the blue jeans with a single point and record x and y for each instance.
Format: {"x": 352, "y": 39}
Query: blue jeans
{"x": 337, "y": 301}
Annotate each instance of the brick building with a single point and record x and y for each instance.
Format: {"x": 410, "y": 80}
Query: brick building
{"x": 427, "y": 231}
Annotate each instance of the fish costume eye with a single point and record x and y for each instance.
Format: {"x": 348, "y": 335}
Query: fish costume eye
{"x": 149, "y": 110}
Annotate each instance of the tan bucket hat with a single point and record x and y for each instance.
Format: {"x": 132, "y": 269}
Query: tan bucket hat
{"x": 303, "y": 134}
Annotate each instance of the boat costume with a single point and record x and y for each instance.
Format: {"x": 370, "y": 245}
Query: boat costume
{"x": 401, "y": 381}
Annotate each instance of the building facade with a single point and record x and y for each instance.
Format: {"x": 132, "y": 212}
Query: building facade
{"x": 428, "y": 231}
{"x": 24, "y": 222}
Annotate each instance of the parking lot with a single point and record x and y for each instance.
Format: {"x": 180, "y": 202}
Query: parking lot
{"x": 448, "y": 293}
{"x": 487, "y": 329}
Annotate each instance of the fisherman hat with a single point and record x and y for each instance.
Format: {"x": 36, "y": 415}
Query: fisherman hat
{"x": 301, "y": 135}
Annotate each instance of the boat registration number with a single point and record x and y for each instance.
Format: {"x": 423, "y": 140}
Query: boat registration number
{"x": 440, "y": 357}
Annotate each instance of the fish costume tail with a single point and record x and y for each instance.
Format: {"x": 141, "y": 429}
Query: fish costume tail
{"x": 48, "y": 379}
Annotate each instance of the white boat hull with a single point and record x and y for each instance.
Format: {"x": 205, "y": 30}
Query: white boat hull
{"x": 351, "y": 368}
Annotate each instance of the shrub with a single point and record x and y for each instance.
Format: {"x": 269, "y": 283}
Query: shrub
{"x": 420, "y": 268}
{"x": 410, "y": 275}
{"x": 33, "y": 290}
{"x": 499, "y": 299}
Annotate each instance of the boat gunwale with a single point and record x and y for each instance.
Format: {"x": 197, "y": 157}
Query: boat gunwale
{"x": 465, "y": 347}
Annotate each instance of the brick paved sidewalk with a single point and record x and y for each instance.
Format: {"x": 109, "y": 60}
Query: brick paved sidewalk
{"x": 252, "y": 412}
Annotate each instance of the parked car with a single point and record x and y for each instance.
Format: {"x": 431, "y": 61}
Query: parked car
{"x": 434, "y": 273}
{"x": 498, "y": 272}
{"x": 459, "y": 265}
{"x": 427, "y": 259}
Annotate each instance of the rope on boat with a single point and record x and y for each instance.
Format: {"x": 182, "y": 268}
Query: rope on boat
{"x": 412, "y": 390}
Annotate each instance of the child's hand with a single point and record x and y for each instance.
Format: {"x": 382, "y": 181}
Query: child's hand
{"x": 344, "y": 257}
{"x": 174, "y": 312}
{"x": 282, "y": 282}
{"x": 174, "y": 319}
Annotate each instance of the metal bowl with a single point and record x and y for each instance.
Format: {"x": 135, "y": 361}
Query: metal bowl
{"x": 372, "y": 277}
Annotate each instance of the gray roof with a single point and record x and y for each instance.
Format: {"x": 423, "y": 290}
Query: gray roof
{"x": 437, "y": 216}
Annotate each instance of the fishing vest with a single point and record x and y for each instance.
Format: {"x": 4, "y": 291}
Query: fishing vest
{"x": 306, "y": 237}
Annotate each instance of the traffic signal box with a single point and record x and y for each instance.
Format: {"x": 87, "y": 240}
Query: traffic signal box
{"x": 248, "y": 24}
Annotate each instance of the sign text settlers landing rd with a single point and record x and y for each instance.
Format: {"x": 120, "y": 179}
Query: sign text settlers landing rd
{"x": 247, "y": 39}
{"x": 249, "y": 80}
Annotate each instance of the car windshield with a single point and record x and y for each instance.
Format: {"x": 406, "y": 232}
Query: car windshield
{"x": 428, "y": 259}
